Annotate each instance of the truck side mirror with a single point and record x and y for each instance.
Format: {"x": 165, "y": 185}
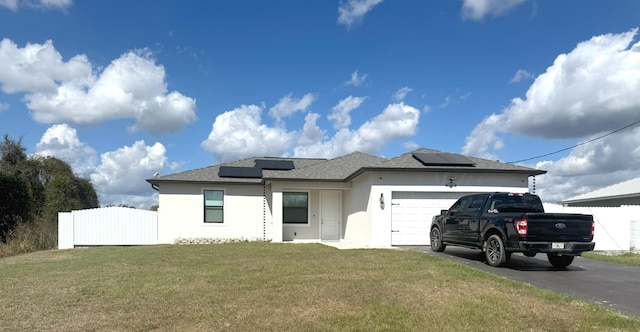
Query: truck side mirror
{"x": 443, "y": 212}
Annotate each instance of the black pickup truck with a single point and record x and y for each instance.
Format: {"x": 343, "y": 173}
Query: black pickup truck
{"x": 503, "y": 223}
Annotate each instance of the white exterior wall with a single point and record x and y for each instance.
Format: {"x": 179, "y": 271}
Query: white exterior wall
{"x": 181, "y": 213}
{"x": 386, "y": 183}
{"x": 356, "y": 219}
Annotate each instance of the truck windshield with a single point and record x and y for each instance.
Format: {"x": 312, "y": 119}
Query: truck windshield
{"x": 523, "y": 203}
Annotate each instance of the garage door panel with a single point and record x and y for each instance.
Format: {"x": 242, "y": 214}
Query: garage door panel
{"x": 412, "y": 212}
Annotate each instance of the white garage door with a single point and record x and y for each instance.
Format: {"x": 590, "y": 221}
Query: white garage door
{"x": 411, "y": 214}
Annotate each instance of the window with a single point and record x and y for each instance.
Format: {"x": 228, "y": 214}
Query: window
{"x": 295, "y": 208}
{"x": 213, "y": 206}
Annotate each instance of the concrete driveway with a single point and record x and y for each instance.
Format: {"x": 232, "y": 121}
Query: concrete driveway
{"x": 613, "y": 285}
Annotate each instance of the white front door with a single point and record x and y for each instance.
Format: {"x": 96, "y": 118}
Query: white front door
{"x": 330, "y": 212}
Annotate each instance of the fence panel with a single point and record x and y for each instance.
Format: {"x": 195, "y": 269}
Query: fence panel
{"x": 108, "y": 226}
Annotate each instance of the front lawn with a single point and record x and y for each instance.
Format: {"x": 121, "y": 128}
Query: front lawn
{"x": 626, "y": 258}
{"x": 275, "y": 287}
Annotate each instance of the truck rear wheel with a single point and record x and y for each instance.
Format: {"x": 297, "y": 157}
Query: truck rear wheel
{"x": 436, "y": 240}
{"x": 560, "y": 261}
{"x": 495, "y": 252}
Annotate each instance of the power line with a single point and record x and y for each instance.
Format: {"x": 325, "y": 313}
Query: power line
{"x": 577, "y": 145}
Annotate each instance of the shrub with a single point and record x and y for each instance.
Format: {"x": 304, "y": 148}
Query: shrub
{"x": 28, "y": 237}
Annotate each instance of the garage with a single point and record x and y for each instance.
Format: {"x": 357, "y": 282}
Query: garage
{"x": 411, "y": 214}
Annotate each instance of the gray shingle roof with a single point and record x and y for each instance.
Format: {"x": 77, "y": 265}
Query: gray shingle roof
{"x": 342, "y": 168}
{"x": 630, "y": 188}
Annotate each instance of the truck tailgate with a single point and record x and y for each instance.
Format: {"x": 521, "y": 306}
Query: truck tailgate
{"x": 559, "y": 227}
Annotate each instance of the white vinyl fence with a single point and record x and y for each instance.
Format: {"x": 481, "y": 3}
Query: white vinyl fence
{"x": 107, "y": 226}
{"x": 614, "y": 226}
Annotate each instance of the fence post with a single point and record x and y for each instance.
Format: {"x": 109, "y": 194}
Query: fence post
{"x": 65, "y": 230}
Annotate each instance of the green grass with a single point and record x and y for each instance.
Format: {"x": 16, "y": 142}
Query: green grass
{"x": 626, "y": 258}
{"x": 275, "y": 287}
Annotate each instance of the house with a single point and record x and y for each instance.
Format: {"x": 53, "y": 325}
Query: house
{"x": 624, "y": 193}
{"x": 357, "y": 198}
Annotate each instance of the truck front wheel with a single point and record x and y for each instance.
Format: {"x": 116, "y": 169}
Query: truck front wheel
{"x": 436, "y": 240}
{"x": 560, "y": 261}
{"x": 495, "y": 252}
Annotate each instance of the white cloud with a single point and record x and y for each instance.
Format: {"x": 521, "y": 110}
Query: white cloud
{"x": 395, "y": 122}
{"x": 356, "y": 79}
{"x": 340, "y": 114}
{"x": 410, "y": 145}
{"x": 591, "y": 166}
{"x": 38, "y": 4}
{"x": 131, "y": 87}
{"x": 401, "y": 94}
{"x": 288, "y": 106}
{"x": 353, "y": 11}
{"x": 120, "y": 176}
{"x": 520, "y": 75}
{"x": 479, "y": 9}
{"x": 239, "y": 133}
{"x": 592, "y": 89}
{"x": 122, "y": 173}
{"x": 4, "y": 106}
{"x": 61, "y": 141}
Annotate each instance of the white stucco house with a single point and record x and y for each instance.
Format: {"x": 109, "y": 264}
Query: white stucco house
{"x": 357, "y": 198}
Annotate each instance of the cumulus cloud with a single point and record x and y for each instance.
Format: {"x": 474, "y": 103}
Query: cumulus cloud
{"x": 590, "y": 90}
{"x": 239, "y": 133}
{"x": 288, "y": 105}
{"x": 119, "y": 176}
{"x": 592, "y": 166}
{"x": 520, "y": 75}
{"x": 123, "y": 171}
{"x": 584, "y": 94}
{"x": 340, "y": 114}
{"x": 356, "y": 79}
{"x": 4, "y": 106}
{"x": 131, "y": 87}
{"x": 61, "y": 141}
{"x": 479, "y": 9}
{"x": 353, "y": 11}
{"x": 395, "y": 122}
{"x": 401, "y": 93}
{"x": 37, "y": 4}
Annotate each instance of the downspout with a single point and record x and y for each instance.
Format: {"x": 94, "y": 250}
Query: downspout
{"x": 264, "y": 211}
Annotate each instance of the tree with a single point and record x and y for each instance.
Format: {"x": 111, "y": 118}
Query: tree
{"x": 14, "y": 203}
{"x": 36, "y": 188}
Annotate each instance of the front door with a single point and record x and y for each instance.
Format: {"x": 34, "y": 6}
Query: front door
{"x": 330, "y": 212}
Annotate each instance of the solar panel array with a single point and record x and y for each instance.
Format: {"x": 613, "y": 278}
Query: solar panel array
{"x": 255, "y": 172}
{"x": 443, "y": 159}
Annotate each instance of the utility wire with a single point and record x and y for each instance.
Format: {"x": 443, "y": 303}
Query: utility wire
{"x": 577, "y": 145}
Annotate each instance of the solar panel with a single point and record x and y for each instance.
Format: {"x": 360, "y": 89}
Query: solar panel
{"x": 240, "y": 172}
{"x": 443, "y": 159}
{"x": 275, "y": 165}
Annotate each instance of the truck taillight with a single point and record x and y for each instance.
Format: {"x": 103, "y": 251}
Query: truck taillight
{"x": 522, "y": 226}
{"x": 593, "y": 228}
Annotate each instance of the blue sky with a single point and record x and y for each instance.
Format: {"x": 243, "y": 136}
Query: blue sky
{"x": 124, "y": 89}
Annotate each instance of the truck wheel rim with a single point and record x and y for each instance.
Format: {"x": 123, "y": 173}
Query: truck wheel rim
{"x": 435, "y": 239}
{"x": 493, "y": 250}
